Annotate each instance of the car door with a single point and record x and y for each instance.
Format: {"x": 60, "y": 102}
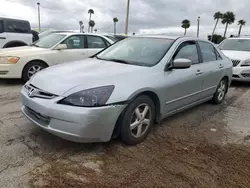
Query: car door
{"x": 95, "y": 44}
{"x": 75, "y": 50}
{"x": 183, "y": 86}
{"x": 212, "y": 68}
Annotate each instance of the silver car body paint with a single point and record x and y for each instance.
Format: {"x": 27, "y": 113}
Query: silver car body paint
{"x": 176, "y": 89}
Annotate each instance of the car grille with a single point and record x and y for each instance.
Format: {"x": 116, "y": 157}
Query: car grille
{"x": 37, "y": 117}
{"x": 36, "y": 92}
{"x": 235, "y": 62}
{"x": 246, "y": 75}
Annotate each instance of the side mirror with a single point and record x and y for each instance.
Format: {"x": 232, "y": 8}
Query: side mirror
{"x": 182, "y": 63}
{"x": 61, "y": 47}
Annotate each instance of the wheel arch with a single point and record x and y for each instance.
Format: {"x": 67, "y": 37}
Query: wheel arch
{"x": 32, "y": 61}
{"x": 152, "y": 95}
{"x": 14, "y": 42}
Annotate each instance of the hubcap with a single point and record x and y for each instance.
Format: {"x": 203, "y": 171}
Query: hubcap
{"x": 221, "y": 90}
{"x": 140, "y": 120}
{"x": 33, "y": 70}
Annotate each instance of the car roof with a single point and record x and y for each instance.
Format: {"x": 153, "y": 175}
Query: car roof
{"x": 11, "y": 19}
{"x": 77, "y": 33}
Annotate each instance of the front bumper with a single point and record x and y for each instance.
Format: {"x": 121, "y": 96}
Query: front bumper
{"x": 77, "y": 124}
{"x": 10, "y": 70}
{"x": 241, "y": 73}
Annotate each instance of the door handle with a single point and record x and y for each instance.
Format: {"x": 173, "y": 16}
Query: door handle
{"x": 221, "y": 66}
{"x": 198, "y": 72}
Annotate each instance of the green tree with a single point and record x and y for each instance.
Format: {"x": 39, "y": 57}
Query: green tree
{"x": 217, "y": 17}
{"x": 228, "y": 18}
{"x": 95, "y": 30}
{"x": 80, "y": 24}
{"x": 91, "y": 25}
{"x": 115, "y": 20}
{"x": 216, "y": 38}
{"x": 185, "y": 24}
{"x": 241, "y": 23}
{"x": 90, "y": 12}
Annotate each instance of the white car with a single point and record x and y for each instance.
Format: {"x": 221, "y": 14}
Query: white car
{"x": 24, "y": 62}
{"x": 14, "y": 33}
{"x": 238, "y": 50}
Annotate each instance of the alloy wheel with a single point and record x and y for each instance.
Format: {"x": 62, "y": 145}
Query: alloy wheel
{"x": 33, "y": 70}
{"x": 221, "y": 90}
{"x": 140, "y": 120}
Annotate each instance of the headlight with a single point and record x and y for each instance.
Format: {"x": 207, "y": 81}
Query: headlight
{"x": 89, "y": 98}
{"x": 246, "y": 63}
{"x": 9, "y": 60}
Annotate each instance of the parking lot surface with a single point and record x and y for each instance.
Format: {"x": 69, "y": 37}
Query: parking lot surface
{"x": 206, "y": 146}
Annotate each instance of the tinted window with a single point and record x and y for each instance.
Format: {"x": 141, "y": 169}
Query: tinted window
{"x": 235, "y": 44}
{"x": 96, "y": 42}
{"x": 207, "y": 52}
{"x": 49, "y": 41}
{"x": 17, "y": 26}
{"x": 137, "y": 51}
{"x": 188, "y": 50}
{"x": 1, "y": 26}
{"x": 74, "y": 42}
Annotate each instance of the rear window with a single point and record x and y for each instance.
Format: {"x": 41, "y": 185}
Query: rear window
{"x": 14, "y": 26}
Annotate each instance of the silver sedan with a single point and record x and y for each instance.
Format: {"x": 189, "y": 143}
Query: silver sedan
{"x": 123, "y": 90}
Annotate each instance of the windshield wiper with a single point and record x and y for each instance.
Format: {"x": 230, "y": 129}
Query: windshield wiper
{"x": 34, "y": 45}
{"x": 115, "y": 60}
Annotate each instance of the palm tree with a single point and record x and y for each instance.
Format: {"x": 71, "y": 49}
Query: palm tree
{"x": 185, "y": 24}
{"x": 217, "y": 17}
{"x": 241, "y": 23}
{"x": 115, "y": 20}
{"x": 95, "y": 30}
{"x": 91, "y": 25}
{"x": 90, "y": 12}
{"x": 80, "y": 23}
{"x": 228, "y": 18}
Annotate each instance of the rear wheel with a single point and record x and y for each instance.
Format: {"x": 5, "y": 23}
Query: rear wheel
{"x": 137, "y": 120}
{"x": 221, "y": 91}
{"x": 32, "y": 68}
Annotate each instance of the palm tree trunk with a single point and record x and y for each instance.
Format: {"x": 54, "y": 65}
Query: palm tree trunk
{"x": 225, "y": 30}
{"x": 89, "y": 20}
{"x": 185, "y": 32}
{"x": 114, "y": 28}
{"x": 240, "y": 30}
{"x": 214, "y": 29}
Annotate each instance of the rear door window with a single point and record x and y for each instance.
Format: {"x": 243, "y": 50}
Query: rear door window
{"x": 96, "y": 42}
{"x": 208, "y": 52}
{"x": 17, "y": 26}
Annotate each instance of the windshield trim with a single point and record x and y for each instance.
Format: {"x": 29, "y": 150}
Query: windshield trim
{"x": 140, "y": 63}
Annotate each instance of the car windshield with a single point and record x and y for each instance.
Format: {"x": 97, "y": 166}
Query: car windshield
{"x": 49, "y": 41}
{"x": 137, "y": 51}
{"x": 235, "y": 44}
{"x": 45, "y": 33}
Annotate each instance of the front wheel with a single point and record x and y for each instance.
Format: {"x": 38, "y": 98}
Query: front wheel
{"x": 32, "y": 68}
{"x": 137, "y": 120}
{"x": 221, "y": 91}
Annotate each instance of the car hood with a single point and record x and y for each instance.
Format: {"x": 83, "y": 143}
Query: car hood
{"x": 21, "y": 51}
{"x": 238, "y": 55}
{"x": 88, "y": 73}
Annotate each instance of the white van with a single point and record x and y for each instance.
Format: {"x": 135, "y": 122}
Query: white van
{"x": 14, "y": 33}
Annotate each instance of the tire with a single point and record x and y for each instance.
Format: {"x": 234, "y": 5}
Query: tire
{"x": 35, "y": 66}
{"x": 221, "y": 91}
{"x": 133, "y": 114}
